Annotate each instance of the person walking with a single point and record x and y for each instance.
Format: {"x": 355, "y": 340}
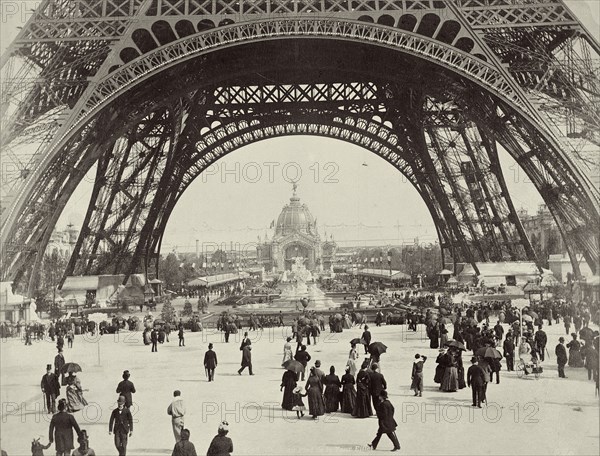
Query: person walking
{"x": 509, "y": 352}
{"x": 332, "y": 391}
{"x": 177, "y": 411}
{"x": 366, "y": 336}
{"x": 184, "y": 447}
{"x": 475, "y": 379}
{"x": 348, "y": 392}
{"x": 50, "y": 389}
{"x": 70, "y": 338}
{"x": 59, "y": 362}
{"x": 126, "y": 388}
{"x": 287, "y": 351}
{"x": 154, "y": 340}
{"x": 417, "y": 375}
{"x": 540, "y": 340}
{"x": 181, "y": 337}
{"x": 221, "y": 445}
{"x": 121, "y": 423}
{"x": 303, "y": 357}
{"x": 61, "y": 430}
{"x": 246, "y": 359}
{"x": 245, "y": 341}
{"x": 314, "y": 392}
{"x": 387, "y": 424}
{"x": 210, "y": 363}
{"x": 561, "y": 357}
{"x": 377, "y": 384}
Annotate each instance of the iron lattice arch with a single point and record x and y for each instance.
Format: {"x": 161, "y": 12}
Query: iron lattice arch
{"x": 153, "y": 92}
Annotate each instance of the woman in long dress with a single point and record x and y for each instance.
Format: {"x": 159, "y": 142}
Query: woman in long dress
{"x": 288, "y": 383}
{"x": 352, "y": 357}
{"x": 434, "y": 336}
{"x": 460, "y": 370}
{"x": 348, "y": 392}
{"x": 575, "y": 359}
{"x": 450, "y": 380}
{"x": 75, "y": 399}
{"x": 332, "y": 391}
{"x": 314, "y": 392}
{"x": 287, "y": 351}
{"x": 362, "y": 407}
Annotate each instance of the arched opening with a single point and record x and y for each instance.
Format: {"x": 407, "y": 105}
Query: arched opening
{"x": 407, "y": 22}
{"x": 144, "y": 40}
{"x": 366, "y": 18}
{"x": 225, "y": 22}
{"x": 205, "y": 24}
{"x": 386, "y": 20}
{"x": 448, "y": 32}
{"x": 464, "y": 44}
{"x": 428, "y": 25}
{"x": 163, "y": 32}
{"x": 184, "y": 28}
{"x": 128, "y": 54}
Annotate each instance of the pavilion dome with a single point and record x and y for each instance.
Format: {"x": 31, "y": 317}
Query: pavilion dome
{"x": 295, "y": 217}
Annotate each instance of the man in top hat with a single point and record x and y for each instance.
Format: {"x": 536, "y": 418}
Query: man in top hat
{"x": 121, "y": 422}
{"x": 377, "y": 385}
{"x": 387, "y": 424}
{"x": 476, "y": 380}
{"x": 210, "y": 363}
{"x": 50, "y": 389}
{"x": 61, "y": 430}
{"x": 126, "y": 389}
{"x": 366, "y": 336}
{"x": 59, "y": 362}
{"x": 245, "y": 341}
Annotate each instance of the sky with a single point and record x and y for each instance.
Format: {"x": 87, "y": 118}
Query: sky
{"x": 355, "y": 196}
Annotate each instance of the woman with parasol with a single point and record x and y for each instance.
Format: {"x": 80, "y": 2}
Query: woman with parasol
{"x": 75, "y": 399}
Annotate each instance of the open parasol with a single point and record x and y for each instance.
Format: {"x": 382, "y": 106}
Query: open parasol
{"x": 456, "y": 344}
{"x": 488, "y": 352}
{"x": 377, "y": 348}
{"x": 70, "y": 367}
{"x": 294, "y": 366}
{"x": 358, "y": 341}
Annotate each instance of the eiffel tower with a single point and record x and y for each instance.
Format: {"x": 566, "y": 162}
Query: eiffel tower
{"x": 149, "y": 93}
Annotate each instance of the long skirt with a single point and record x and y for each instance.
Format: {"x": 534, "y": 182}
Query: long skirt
{"x": 353, "y": 367}
{"x": 332, "y": 398}
{"x": 439, "y": 374}
{"x": 316, "y": 407}
{"x": 75, "y": 400}
{"x": 288, "y": 397}
{"x": 450, "y": 380}
{"x": 461, "y": 378}
{"x": 362, "y": 407}
{"x": 348, "y": 399}
{"x": 575, "y": 359}
{"x": 434, "y": 341}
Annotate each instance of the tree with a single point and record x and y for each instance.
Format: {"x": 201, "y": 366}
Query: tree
{"x": 167, "y": 313}
{"x": 188, "y": 310}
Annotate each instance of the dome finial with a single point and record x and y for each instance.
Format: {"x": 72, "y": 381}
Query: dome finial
{"x": 294, "y": 187}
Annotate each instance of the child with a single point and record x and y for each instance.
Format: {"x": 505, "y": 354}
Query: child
{"x": 298, "y": 406}
{"x": 417, "y": 375}
{"x": 37, "y": 449}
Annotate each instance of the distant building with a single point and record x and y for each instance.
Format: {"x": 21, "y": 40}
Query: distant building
{"x": 542, "y": 231}
{"x": 63, "y": 242}
{"x": 296, "y": 236}
{"x": 560, "y": 265}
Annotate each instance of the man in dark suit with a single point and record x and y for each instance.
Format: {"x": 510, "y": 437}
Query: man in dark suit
{"x": 509, "y": 351}
{"x": 154, "y": 340}
{"x": 475, "y": 379}
{"x": 245, "y": 341}
{"x": 561, "y": 357}
{"x": 540, "y": 340}
{"x": 50, "y": 388}
{"x": 366, "y": 336}
{"x": 377, "y": 385}
{"x": 303, "y": 358}
{"x": 121, "y": 422}
{"x": 210, "y": 363}
{"x": 61, "y": 430}
{"x": 126, "y": 389}
{"x": 246, "y": 359}
{"x": 387, "y": 424}
{"x": 59, "y": 362}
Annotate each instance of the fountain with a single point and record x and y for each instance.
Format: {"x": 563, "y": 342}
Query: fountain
{"x": 298, "y": 285}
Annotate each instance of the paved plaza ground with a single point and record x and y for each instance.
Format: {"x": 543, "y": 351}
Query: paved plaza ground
{"x": 524, "y": 416}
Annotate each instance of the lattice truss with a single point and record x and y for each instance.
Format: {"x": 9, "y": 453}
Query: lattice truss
{"x": 63, "y": 76}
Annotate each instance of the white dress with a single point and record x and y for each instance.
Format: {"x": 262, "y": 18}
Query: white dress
{"x": 352, "y": 357}
{"x": 287, "y": 353}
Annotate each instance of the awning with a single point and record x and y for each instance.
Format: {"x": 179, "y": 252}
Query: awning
{"x": 444, "y": 272}
{"x": 384, "y": 274}
{"x": 218, "y": 279}
{"x": 80, "y": 283}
